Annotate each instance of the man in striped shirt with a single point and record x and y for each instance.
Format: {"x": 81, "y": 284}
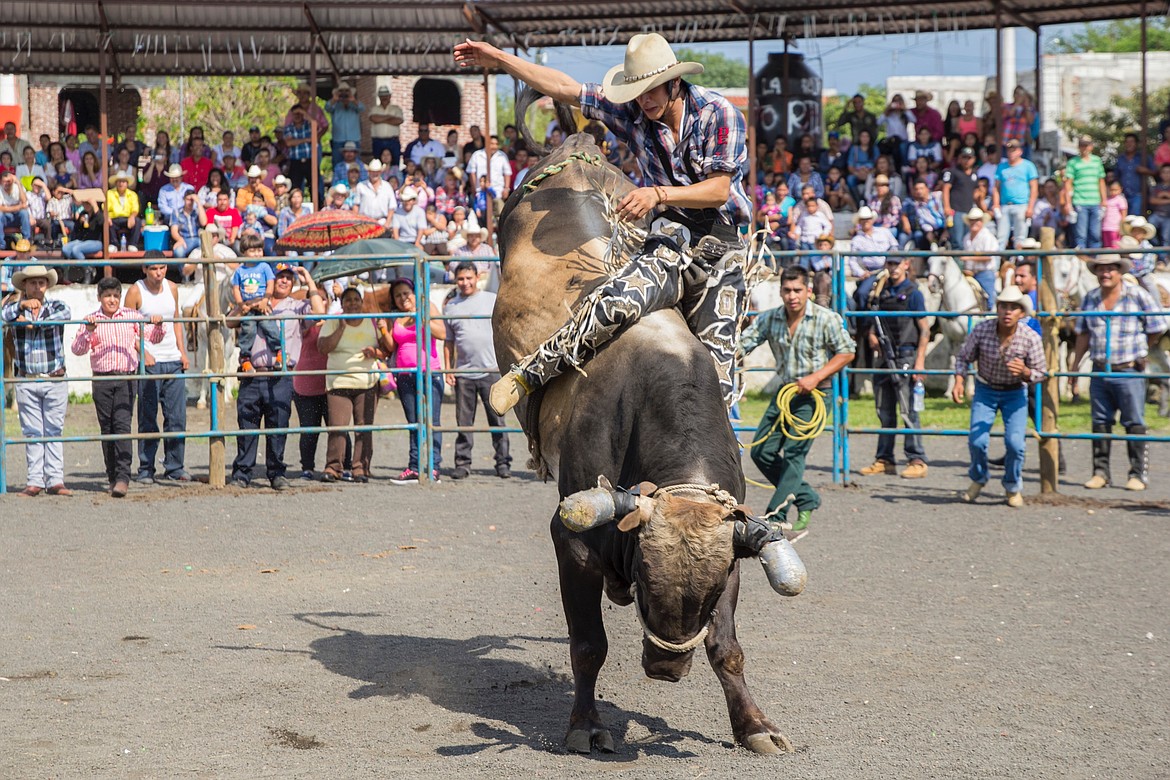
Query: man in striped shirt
{"x": 110, "y": 336}
{"x": 810, "y": 344}
{"x": 40, "y": 355}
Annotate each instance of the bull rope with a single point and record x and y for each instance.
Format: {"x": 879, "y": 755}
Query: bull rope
{"x": 663, "y": 644}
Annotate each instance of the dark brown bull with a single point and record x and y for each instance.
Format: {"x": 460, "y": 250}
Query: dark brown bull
{"x": 649, "y": 409}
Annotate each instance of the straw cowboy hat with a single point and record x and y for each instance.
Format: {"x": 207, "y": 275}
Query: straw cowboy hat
{"x": 175, "y": 171}
{"x": 469, "y": 231}
{"x": 1013, "y": 294}
{"x": 34, "y": 272}
{"x": 22, "y": 245}
{"x": 1138, "y": 227}
{"x": 375, "y": 166}
{"x": 1129, "y": 242}
{"x": 649, "y": 62}
{"x": 408, "y": 193}
{"x": 255, "y": 173}
{"x": 976, "y": 214}
{"x": 865, "y": 212}
{"x": 120, "y": 176}
{"x": 281, "y": 179}
{"x": 1028, "y": 243}
{"x": 1119, "y": 260}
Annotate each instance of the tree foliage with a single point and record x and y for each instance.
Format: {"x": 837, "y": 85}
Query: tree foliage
{"x": 1107, "y": 127}
{"x": 875, "y": 102}
{"x": 217, "y": 104}
{"x": 1121, "y": 35}
{"x": 719, "y": 71}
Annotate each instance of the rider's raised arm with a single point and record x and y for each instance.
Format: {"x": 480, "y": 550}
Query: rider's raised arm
{"x": 557, "y": 85}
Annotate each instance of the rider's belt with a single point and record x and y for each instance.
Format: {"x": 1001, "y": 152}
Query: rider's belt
{"x": 1002, "y": 388}
{"x": 27, "y": 375}
{"x": 908, "y": 349}
{"x": 1139, "y": 365}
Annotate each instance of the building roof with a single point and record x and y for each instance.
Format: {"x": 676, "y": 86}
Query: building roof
{"x": 272, "y": 37}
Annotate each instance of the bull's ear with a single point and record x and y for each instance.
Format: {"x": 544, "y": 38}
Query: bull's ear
{"x": 603, "y": 482}
{"x": 647, "y": 488}
{"x": 639, "y": 517}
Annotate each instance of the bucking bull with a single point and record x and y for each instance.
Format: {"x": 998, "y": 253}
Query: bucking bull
{"x": 646, "y": 411}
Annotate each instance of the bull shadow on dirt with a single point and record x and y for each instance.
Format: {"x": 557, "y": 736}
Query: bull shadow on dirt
{"x": 469, "y": 676}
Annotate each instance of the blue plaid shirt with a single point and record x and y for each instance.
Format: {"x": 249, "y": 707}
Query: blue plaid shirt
{"x": 39, "y": 349}
{"x": 1129, "y": 335}
{"x": 299, "y": 132}
{"x": 713, "y": 135}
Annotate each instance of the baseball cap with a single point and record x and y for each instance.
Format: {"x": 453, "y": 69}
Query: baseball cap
{"x": 349, "y": 146}
{"x": 253, "y": 129}
{"x": 1084, "y": 140}
{"x": 283, "y": 267}
{"x": 1012, "y": 144}
{"x": 967, "y": 151}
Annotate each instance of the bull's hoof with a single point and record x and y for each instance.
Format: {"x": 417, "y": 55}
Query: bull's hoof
{"x": 584, "y": 740}
{"x": 768, "y": 744}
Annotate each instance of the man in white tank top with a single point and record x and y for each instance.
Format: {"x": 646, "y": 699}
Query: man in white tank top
{"x": 158, "y": 299}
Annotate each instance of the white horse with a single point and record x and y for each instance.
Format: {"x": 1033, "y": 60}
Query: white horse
{"x": 193, "y": 303}
{"x": 945, "y": 277}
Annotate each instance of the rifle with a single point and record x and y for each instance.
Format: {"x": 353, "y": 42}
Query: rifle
{"x": 888, "y": 355}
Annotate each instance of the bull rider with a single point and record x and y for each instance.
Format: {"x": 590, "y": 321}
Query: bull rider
{"x": 691, "y": 143}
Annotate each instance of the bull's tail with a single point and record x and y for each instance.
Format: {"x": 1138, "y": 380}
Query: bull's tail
{"x": 524, "y": 101}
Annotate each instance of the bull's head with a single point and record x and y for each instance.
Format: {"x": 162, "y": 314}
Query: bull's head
{"x": 687, "y": 551}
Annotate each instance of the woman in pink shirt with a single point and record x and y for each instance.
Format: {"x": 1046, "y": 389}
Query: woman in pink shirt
{"x": 405, "y": 335}
{"x": 1114, "y": 212}
{"x": 110, "y": 336}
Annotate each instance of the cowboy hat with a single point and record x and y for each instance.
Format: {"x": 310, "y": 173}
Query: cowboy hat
{"x": 121, "y": 176}
{"x": 22, "y": 245}
{"x": 1028, "y": 243}
{"x": 468, "y": 231}
{"x": 254, "y": 172}
{"x": 1013, "y": 294}
{"x": 279, "y": 180}
{"x": 649, "y": 62}
{"x": 175, "y": 171}
{"x": 865, "y": 212}
{"x": 33, "y": 272}
{"x": 1138, "y": 227}
{"x": 408, "y": 193}
{"x": 383, "y": 90}
{"x": 349, "y": 146}
{"x": 976, "y": 214}
{"x": 339, "y": 189}
{"x": 922, "y": 93}
{"x": 881, "y": 178}
{"x": 1119, "y": 260}
{"x": 1129, "y": 242}
{"x": 375, "y": 166}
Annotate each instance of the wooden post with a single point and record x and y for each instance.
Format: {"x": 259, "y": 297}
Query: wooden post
{"x": 999, "y": 79}
{"x": 314, "y": 158}
{"x": 104, "y": 156}
{"x": 488, "y": 132}
{"x": 216, "y": 461}
{"x": 1144, "y": 138}
{"x": 1049, "y": 448}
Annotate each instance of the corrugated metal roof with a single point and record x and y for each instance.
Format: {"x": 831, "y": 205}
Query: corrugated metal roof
{"x": 269, "y": 37}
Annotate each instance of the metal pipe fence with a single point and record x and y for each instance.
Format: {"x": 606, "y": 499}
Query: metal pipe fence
{"x": 425, "y": 372}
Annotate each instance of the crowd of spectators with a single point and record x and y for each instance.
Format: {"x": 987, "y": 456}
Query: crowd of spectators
{"x": 921, "y": 176}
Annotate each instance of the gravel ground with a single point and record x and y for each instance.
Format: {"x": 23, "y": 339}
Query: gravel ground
{"x": 359, "y": 630}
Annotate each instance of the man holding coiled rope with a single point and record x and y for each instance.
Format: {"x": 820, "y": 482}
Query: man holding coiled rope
{"x": 810, "y": 344}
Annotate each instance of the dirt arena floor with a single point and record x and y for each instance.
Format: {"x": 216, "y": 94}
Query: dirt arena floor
{"x": 359, "y": 631}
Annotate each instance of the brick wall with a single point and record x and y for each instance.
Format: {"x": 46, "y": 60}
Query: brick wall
{"x": 44, "y": 108}
{"x": 402, "y": 93}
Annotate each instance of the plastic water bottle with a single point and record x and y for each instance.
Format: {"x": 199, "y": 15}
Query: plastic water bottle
{"x": 919, "y": 397}
{"x": 123, "y": 243}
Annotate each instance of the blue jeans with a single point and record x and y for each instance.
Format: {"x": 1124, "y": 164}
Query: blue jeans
{"x": 1013, "y": 405}
{"x": 1134, "y": 201}
{"x": 1163, "y": 225}
{"x": 18, "y": 218}
{"x": 1124, "y": 393}
{"x": 957, "y": 232}
{"x": 408, "y": 395}
{"x": 395, "y": 147}
{"x": 77, "y": 250}
{"x": 1013, "y": 221}
{"x": 264, "y": 401}
{"x": 986, "y": 280}
{"x": 189, "y": 246}
{"x": 172, "y": 393}
{"x": 890, "y": 398}
{"x": 1088, "y": 227}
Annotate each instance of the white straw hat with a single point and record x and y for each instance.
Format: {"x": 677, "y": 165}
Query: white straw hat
{"x": 1013, "y": 294}
{"x": 175, "y": 171}
{"x": 976, "y": 214}
{"x": 649, "y": 62}
{"x": 865, "y": 212}
{"x": 254, "y": 172}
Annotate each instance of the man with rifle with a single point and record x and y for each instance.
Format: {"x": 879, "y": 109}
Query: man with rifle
{"x": 900, "y": 343}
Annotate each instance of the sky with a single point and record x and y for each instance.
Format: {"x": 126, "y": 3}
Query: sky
{"x": 846, "y": 63}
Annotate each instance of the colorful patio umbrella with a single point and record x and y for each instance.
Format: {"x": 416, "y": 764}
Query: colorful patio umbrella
{"x": 326, "y": 230}
{"x": 367, "y": 255}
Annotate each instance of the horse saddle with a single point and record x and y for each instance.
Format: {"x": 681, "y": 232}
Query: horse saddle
{"x": 980, "y": 294}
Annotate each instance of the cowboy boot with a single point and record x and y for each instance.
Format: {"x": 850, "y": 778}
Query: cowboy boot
{"x": 1101, "y": 449}
{"x": 650, "y": 282}
{"x": 1139, "y": 459}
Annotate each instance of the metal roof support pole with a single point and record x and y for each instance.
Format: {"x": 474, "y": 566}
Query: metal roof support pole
{"x": 752, "y": 113}
{"x": 103, "y": 150}
{"x": 1143, "y": 148}
{"x": 487, "y": 112}
{"x": 1039, "y": 74}
{"x": 314, "y": 158}
{"x": 999, "y": 76}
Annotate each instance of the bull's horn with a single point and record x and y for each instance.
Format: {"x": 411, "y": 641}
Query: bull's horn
{"x": 587, "y": 509}
{"x": 785, "y": 570}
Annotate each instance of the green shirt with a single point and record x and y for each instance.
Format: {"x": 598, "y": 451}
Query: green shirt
{"x": 1085, "y": 176}
{"x": 820, "y": 336}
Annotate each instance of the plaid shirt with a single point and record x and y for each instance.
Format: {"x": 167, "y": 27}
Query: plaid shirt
{"x": 303, "y": 131}
{"x": 983, "y": 347}
{"x": 113, "y": 346}
{"x": 820, "y": 336}
{"x": 1129, "y": 334}
{"x": 39, "y": 349}
{"x": 713, "y": 136}
{"x": 1015, "y": 126}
